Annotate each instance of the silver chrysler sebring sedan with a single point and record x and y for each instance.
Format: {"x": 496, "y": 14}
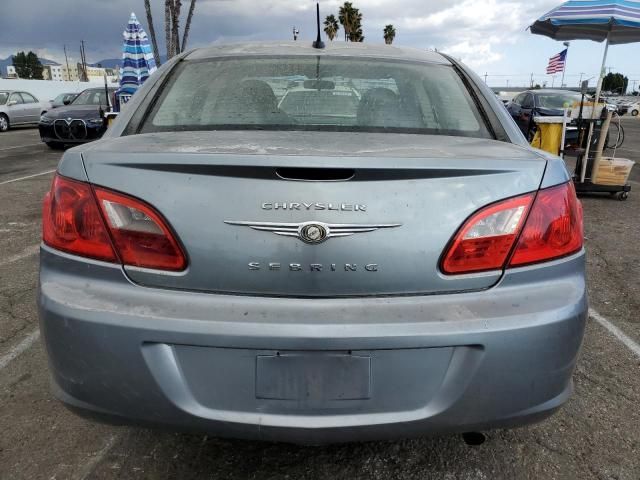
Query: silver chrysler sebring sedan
{"x": 287, "y": 243}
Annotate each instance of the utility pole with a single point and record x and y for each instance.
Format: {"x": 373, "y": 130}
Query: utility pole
{"x": 82, "y": 73}
{"x": 485, "y": 78}
{"x": 580, "y": 82}
{"x": 296, "y": 32}
{"x": 85, "y": 77}
{"x": 531, "y": 81}
{"x": 66, "y": 59}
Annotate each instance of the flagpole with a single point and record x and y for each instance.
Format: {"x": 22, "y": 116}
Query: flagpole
{"x": 564, "y": 65}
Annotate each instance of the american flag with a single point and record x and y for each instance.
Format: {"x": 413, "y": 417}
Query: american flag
{"x": 557, "y": 62}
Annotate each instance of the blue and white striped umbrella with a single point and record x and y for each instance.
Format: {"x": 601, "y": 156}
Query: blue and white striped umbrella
{"x": 619, "y": 20}
{"x": 616, "y": 21}
{"x": 137, "y": 60}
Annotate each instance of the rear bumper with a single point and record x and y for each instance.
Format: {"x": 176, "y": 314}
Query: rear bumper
{"x": 437, "y": 364}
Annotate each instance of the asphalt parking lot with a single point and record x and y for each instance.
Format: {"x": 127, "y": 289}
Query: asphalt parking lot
{"x": 596, "y": 435}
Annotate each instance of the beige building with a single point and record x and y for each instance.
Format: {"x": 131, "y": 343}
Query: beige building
{"x": 53, "y": 72}
{"x": 70, "y": 74}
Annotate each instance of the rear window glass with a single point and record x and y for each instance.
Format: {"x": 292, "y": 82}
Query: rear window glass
{"x": 558, "y": 100}
{"x": 316, "y": 93}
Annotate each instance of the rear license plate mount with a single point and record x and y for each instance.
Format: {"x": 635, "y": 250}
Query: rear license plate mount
{"x": 313, "y": 377}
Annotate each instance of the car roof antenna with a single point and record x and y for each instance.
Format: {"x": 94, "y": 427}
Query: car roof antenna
{"x": 318, "y": 43}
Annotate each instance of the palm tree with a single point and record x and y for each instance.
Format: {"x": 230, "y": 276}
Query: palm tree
{"x": 389, "y": 34}
{"x": 356, "y": 28}
{"x": 346, "y": 15}
{"x": 331, "y": 27}
{"x": 168, "y": 39}
{"x": 152, "y": 32}
{"x": 171, "y": 27}
{"x": 175, "y": 27}
{"x": 187, "y": 26}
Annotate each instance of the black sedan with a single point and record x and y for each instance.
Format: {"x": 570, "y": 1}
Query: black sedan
{"x": 540, "y": 103}
{"x": 79, "y": 122}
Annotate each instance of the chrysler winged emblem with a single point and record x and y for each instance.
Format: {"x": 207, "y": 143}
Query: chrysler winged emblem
{"x": 313, "y": 232}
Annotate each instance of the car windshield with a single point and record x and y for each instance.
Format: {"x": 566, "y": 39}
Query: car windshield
{"x": 3, "y": 97}
{"x": 558, "y": 100}
{"x": 60, "y": 98}
{"x": 91, "y": 97}
{"x": 316, "y": 93}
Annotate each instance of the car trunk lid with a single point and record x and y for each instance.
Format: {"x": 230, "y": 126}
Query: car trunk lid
{"x": 238, "y": 202}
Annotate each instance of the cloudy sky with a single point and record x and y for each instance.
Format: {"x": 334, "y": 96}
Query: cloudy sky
{"x": 489, "y": 35}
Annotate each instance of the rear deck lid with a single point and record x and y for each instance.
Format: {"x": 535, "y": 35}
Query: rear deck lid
{"x": 313, "y": 214}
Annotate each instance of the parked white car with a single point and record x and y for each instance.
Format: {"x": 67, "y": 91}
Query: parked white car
{"x": 634, "y": 109}
{"x": 19, "y": 108}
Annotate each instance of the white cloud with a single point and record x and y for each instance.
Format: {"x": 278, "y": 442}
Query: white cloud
{"x": 475, "y": 30}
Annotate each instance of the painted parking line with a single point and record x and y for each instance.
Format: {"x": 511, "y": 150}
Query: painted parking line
{"x": 87, "y": 469}
{"x": 616, "y": 332}
{"x": 27, "y": 177}
{"x": 20, "y": 348}
{"x": 20, "y": 146}
{"x": 27, "y": 252}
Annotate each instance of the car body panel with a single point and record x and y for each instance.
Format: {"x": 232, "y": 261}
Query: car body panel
{"x": 396, "y": 180}
{"x": 26, "y": 112}
{"x": 307, "y": 355}
{"x": 190, "y": 362}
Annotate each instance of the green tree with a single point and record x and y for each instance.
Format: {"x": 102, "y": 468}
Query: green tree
{"x": 351, "y": 20}
{"x": 389, "y": 34}
{"x": 331, "y": 27}
{"x": 28, "y": 65}
{"x": 615, "y": 82}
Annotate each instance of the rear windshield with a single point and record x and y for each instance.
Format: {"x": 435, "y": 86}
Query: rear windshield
{"x": 91, "y": 97}
{"x": 314, "y": 93}
{"x": 558, "y": 100}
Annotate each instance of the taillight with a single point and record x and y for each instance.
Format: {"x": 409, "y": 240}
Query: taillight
{"x": 554, "y": 228}
{"x": 71, "y": 221}
{"x": 140, "y": 235}
{"x": 74, "y": 217}
{"x": 537, "y": 228}
{"x": 485, "y": 240}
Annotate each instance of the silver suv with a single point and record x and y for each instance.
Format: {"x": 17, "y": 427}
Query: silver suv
{"x": 19, "y": 108}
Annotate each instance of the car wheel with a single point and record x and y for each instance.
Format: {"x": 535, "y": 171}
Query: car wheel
{"x": 4, "y": 123}
{"x": 55, "y": 145}
{"x": 634, "y": 113}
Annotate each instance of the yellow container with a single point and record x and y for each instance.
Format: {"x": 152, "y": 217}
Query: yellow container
{"x": 548, "y": 135}
{"x": 612, "y": 171}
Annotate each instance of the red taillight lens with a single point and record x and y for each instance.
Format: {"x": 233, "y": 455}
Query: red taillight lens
{"x": 134, "y": 233}
{"x": 71, "y": 221}
{"x": 554, "y": 228}
{"x": 551, "y": 228}
{"x": 485, "y": 240}
{"x": 141, "y": 236}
